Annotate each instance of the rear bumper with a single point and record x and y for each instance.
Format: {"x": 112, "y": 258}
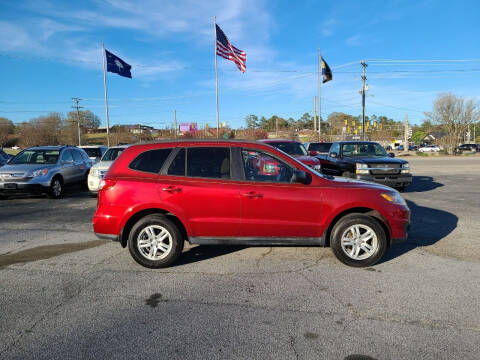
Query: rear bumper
{"x": 399, "y": 180}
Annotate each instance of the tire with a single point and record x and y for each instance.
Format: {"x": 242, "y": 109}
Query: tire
{"x": 369, "y": 252}
{"x": 56, "y": 188}
{"x": 165, "y": 252}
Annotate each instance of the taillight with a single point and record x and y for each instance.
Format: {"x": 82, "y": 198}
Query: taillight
{"x": 106, "y": 184}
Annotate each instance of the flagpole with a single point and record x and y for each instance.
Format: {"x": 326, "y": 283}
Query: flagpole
{"x": 216, "y": 72}
{"x": 319, "y": 95}
{"x": 106, "y": 101}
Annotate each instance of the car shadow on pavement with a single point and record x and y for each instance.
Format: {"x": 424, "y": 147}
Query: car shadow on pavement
{"x": 205, "y": 252}
{"x": 422, "y": 183}
{"x": 428, "y": 226}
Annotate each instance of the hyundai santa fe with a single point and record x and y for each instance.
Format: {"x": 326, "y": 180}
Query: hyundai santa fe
{"x": 156, "y": 196}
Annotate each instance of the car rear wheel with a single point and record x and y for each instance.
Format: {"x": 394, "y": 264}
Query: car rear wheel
{"x": 155, "y": 242}
{"x": 56, "y": 188}
{"x": 358, "y": 240}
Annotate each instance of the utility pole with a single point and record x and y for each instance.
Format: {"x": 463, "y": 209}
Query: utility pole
{"x": 175, "y": 122}
{"x": 364, "y": 79}
{"x": 314, "y": 114}
{"x": 319, "y": 95}
{"x": 405, "y": 136}
{"x": 77, "y": 107}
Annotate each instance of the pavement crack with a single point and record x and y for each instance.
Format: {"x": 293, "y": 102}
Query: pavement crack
{"x": 292, "y": 345}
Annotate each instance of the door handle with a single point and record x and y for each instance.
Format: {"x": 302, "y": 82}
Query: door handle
{"x": 171, "y": 189}
{"x": 253, "y": 195}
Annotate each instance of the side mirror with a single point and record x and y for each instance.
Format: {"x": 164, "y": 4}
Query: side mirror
{"x": 313, "y": 152}
{"x": 333, "y": 154}
{"x": 392, "y": 155}
{"x": 301, "y": 177}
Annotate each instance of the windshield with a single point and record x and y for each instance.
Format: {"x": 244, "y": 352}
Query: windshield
{"x": 291, "y": 148}
{"x": 36, "y": 157}
{"x": 112, "y": 154}
{"x": 320, "y": 147}
{"x": 365, "y": 149}
{"x": 93, "y": 152}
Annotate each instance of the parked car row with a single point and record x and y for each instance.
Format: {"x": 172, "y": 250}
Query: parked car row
{"x": 156, "y": 196}
{"x": 48, "y": 169}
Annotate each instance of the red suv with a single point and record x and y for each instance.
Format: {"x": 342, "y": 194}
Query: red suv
{"x": 156, "y": 196}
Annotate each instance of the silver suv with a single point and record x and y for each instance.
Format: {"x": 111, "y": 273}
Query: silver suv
{"x": 44, "y": 169}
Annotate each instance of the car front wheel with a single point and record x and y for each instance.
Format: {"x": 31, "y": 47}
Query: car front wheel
{"x": 358, "y": 240}
{"x": 155, "y": 242}
{"x": 56, "y": 188}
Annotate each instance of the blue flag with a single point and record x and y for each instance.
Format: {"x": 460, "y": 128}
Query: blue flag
{"x": 326, "y": 72}
{"x": 117, "y": 65}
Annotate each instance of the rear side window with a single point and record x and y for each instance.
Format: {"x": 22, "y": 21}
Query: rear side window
{"x": 208, "y": 162}
{"x": 177, "y": 167}
{"x": 150, "y": 161}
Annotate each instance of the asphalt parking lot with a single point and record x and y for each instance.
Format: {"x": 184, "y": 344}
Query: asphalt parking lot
{"x": 65, "y": 294}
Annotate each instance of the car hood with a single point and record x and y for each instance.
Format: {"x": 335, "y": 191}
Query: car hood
{"x": 342, "y": 181}
{"x": 309, "y": 160}
{"x": 24, "y": 168}
{"x": 375, "y": 160}
{"x": 102, "y": 165}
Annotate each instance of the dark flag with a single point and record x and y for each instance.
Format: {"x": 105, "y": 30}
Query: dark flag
{"x": 117, "y": 65}
{"x": 230, "y": 52}
{"x": 326, "y": 72}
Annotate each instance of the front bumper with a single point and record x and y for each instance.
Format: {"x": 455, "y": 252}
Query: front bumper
{"x": 395, "y": 181}
{"x": 23, "y": 187}
{"x": 93, "y": 183}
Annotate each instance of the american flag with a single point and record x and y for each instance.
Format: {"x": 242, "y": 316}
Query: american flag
{"x": 230, "y": 52}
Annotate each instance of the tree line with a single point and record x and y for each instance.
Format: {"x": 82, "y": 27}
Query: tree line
{"x": 51, "y": 129}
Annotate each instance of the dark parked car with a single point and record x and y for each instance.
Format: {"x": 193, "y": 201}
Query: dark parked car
{"x": 366, "y": 160}
{"x": 156, "y": 196}
{"x": 44, "y": 169}
{"x": 317, "y": 148}
{"x": 468, "y": 147}
{"x": 296, "y": 150}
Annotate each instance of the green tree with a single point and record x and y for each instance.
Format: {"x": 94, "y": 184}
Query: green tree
{"x": 252, "y": 122}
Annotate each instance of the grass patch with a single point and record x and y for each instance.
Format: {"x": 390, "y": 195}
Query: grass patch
{"x": 12, "y": 152}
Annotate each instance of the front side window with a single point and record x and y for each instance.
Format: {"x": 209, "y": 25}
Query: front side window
{"x": 150, "y": 161}
{"x": 335, "y": 148}
{"x": 209, "y": 162}
{"x": 67, "y": 155}
{"x": 263, "y": 167}
{"x": 76, "y": 156}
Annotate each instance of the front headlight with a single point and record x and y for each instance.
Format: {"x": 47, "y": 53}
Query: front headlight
{"x": 405, "y": 168}
{"x": 41, "y": 172}
{"x": 361, "y": 168}
{"x": 94, "y": 172}
{"x": 317, "y": 167}
{"x": 394, "y": 197}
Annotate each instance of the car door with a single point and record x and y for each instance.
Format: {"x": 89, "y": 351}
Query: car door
{"x": 198, "y": 186}
{"x": 79, "y": 166}
{"x": 67, "y": 166}
{"x": 331, "y": 165}
{"x": 272, "y": 206}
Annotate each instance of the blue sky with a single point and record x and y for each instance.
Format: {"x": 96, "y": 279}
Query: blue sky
{"x": 50, "y": 51}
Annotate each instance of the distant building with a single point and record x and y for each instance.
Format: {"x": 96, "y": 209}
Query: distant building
{"x": 433, "y": 137}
